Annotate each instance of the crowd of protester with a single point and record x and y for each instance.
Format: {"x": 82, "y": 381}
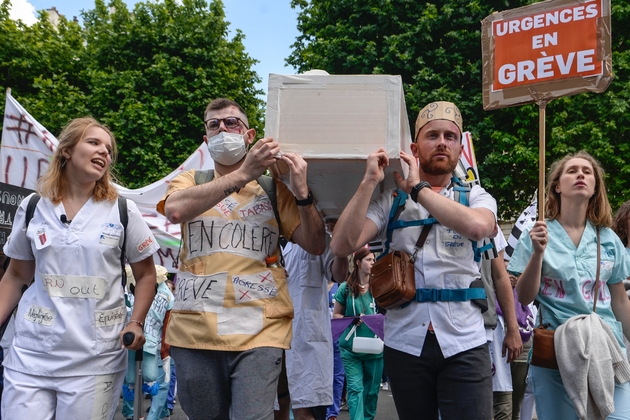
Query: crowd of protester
{"x": 297, "y": 325}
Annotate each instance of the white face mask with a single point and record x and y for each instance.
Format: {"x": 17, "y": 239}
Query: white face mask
{"x": 227, "y": 148}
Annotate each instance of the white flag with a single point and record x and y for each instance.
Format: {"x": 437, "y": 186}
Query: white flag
{"x": 26, "y": 147}
{"x": 526, "y": 219}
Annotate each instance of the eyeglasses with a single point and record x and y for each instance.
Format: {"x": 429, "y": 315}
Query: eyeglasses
{"x": 231, "y": 123}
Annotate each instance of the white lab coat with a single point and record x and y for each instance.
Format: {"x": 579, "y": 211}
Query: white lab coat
{"x": 310, "y": 360}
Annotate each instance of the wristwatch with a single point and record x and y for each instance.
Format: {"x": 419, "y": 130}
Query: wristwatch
{"x": 308, "y": 200}
{"x": 415, "y": 190}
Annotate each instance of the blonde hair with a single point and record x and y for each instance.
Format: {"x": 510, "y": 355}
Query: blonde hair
{"x": 598, "y": 211}
{"x": 53, "y": 184}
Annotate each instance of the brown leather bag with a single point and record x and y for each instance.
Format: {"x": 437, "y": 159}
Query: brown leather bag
{"x": 543, "y": 349}
{"x": 392, "y": 280}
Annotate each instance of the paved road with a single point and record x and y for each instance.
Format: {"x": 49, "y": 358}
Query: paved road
{"x": 385, "y": 409}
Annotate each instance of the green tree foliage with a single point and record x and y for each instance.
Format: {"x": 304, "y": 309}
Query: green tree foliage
{"x": 147, "y": 73}
{"x": 42, "y": 65}
{"x": 436, "y": 48}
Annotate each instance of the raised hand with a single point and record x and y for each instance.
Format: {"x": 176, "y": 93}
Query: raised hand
{"x": 297, "y": 174}
{"x": 414, "y": 175}
{"x": 539, "y": 236}
{"x": 260, "y": 157}
{"x": 376, "y": 163}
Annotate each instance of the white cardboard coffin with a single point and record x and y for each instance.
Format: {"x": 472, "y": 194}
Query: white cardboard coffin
{"x": 334, "y": 123}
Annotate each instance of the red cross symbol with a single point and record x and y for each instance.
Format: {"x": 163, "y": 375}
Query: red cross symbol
{"x": 244, "y": 294}
{"x": 266, "y": 278}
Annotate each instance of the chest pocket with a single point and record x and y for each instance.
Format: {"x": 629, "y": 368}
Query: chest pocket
{"x": 451, "y": 243}
{"x": 110, "y": 234}
{"x": 34, "y": 327}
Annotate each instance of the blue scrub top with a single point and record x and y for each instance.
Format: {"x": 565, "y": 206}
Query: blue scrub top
{"x": 567, "y": 284}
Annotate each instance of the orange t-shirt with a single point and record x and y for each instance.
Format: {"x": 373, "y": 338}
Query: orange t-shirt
{"x": 226, "y": 297}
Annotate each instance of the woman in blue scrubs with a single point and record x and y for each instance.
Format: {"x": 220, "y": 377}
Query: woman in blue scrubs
{"x": 557, "y": 263}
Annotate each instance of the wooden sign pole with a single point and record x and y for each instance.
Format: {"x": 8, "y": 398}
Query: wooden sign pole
{"x": 541, "y": 159}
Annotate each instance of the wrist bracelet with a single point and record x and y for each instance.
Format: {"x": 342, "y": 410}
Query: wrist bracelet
{"x": 137, "y": 322}
{"x": 307, "y": 201}
{"x": 416, "y": 189}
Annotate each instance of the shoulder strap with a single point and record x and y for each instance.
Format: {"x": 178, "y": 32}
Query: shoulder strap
{"x": 420, "y": 242}
{"x": 124, "y": 219}
{"x": 599, "y": 263}
{"x": 462, "y": 196}
{"x": 400, "y": 198}
{"x": 30, "y": 209}
{"x": 269, "y": 186}
{"x": 201, "y": 177}
{"x": 459, "y": 188}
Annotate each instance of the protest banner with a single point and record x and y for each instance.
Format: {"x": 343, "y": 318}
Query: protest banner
{"x": 467, "y": 165}
{"x": 543, "y": 51}
{"x": 10, "y": 198}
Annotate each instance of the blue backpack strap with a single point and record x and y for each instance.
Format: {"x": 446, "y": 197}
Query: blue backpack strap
{"x": 450, "y": 295}
{"x": 480, "y": 250}
{"x": 397, "y": 224}
{"x": 462, "y": 195}
{"x": 459, "y": 188}
{"x": 400, "y": 198}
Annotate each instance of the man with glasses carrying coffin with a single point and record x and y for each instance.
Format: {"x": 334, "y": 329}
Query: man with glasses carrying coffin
{"x": 232, "y": 315}
{"x": 435, "y": 354}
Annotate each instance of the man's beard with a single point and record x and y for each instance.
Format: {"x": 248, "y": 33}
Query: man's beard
{"x": 441, "y": 167}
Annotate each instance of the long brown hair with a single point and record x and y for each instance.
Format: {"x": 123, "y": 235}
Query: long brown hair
{"x": 620, "y": 222}
{"x": 353, "y": 279}
{"x": 598, "y": 211}
{"x": 53, "y": 184}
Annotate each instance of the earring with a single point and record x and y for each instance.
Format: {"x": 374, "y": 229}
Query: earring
{"x": 63, "y": 163}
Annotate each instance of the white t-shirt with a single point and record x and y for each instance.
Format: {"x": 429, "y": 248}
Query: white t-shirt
{"x": 69, "y": 319}
{"x": 446, "y": 261}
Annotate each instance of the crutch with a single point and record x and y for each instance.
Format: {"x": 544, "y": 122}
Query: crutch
{"x": 128, "y": 338}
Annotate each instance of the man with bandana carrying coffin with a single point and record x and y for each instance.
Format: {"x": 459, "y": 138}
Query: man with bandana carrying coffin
{"x": 436, "y": 354}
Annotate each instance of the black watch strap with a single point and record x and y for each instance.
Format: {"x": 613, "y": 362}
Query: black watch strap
{"x": 416, "y": 189}
{"x": 307, "y": 201}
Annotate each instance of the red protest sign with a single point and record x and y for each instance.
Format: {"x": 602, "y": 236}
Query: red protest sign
{"x": 546, "y": 50}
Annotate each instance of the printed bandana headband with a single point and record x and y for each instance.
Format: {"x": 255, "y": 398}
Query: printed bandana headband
{"x": 439, "y": 111}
